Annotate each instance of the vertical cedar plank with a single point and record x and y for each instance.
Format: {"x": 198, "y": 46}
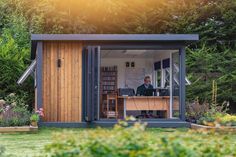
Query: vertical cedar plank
{"x": 80, "y": 81}
{"x": 56, "y": 82}
{"x": 48, "y": 82}
{"x": 62, "y": 49}
{"x": 55, "y": 95}
{"x": 76, "y": 98}
{"x": 52, "y": 74}
{"x": 73, "y": 82}
{"x": 68, "y": 83}
{"x": 47, "y": 89}
{"x": 58, "y": 85}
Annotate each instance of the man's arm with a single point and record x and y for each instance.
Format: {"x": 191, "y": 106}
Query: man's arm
{"x": 151, "y": 86}
{"x": 138, "y": 91}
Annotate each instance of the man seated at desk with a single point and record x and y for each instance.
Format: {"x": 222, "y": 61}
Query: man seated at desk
{"x": 141, "y": 91}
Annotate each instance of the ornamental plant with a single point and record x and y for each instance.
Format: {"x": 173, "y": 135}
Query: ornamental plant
{"x": 14, "y": 111}
{"x": 36, "y": 116}
{"x": 218, "y": 119}
{"x": 136, "y": 141}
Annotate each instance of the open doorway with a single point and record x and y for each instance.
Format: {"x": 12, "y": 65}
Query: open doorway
{"x": 122, "y": 76}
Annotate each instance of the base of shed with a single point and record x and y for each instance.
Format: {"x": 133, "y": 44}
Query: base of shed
{"x": 165, "y": 123}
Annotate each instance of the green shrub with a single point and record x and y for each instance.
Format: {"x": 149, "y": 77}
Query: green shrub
{"x": 14, "y": 58}
{"x": 34, "y": 117}
{"x": 227, "y": 119}
{"x": 135, "y": 141}
{"x": 2, "y": 150}
{"x": 218, "y": 119}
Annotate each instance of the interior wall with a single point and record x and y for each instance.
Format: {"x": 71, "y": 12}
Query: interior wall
{"x": 147, "y": 64}
{"x": 161, "y": 56}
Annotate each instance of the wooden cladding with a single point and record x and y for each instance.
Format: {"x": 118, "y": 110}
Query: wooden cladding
{"x": 62, "y": 81}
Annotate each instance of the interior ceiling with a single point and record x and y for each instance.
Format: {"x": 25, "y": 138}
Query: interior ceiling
{"x": 133, "y": 53}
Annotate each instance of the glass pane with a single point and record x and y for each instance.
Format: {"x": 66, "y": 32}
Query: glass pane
{"x": 166, "y": 77}
{"x": 175, "y": 85}
{"x": 158, "y": 78}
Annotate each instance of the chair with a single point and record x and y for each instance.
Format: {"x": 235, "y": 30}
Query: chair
{"x": 112, "y": 112}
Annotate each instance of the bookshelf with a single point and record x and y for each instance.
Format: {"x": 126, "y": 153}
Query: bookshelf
{"x": 108, "y": 79}
{"x": 108, "y": 90}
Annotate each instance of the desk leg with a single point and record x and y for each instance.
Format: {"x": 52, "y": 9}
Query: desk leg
{"x": 124, "y": 108}
{"x": 168, "y": 109}
{"x": 168, "y": 113}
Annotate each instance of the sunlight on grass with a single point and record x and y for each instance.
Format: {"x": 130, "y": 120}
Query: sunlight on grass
{"x": 25, "y": 144}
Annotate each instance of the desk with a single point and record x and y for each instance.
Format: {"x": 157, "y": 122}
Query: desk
{"x": 138, "y": 103}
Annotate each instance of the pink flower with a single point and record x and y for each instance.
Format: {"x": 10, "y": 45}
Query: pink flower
{"x": 40, "y": 112}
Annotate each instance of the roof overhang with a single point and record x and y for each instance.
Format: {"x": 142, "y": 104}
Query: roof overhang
{"x": 148, "y": 39}
{"x": 116, "y": 37}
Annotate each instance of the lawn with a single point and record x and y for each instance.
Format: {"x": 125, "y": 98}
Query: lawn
{"x": 29, "y": 144}
{"x": 24, "y": 144}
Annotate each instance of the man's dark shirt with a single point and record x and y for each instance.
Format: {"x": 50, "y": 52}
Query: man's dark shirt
{"x": 141, "y": 89}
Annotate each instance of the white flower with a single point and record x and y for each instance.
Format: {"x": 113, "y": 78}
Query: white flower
{"x": 13, "y": 104}
{"x": 2, "y": 102}
{"x": 12, "y": 94}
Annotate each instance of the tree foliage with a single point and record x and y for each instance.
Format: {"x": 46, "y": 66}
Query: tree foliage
{"x": 213, "y": 58}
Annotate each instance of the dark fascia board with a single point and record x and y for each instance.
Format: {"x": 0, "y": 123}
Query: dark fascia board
{"x": 115, "y": 37}
{"x": 118, "y": 39}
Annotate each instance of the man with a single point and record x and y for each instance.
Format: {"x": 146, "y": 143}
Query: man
{"x": 147, "y": 85}
{"x": 141, "y": 91}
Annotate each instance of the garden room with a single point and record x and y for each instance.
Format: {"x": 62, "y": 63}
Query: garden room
{"x": 140, "y": 83}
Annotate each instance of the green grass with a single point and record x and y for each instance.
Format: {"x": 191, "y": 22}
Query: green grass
{"x": 29, "y": 144}
{"x": 25, "y": 144}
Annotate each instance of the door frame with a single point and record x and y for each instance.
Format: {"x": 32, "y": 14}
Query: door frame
{"x": 179, "y": 48}
{"x": 90, "y": 91}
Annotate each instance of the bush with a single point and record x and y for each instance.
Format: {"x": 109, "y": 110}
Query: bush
{"x": 14, "y": 57}
{"x": 218, "y": 119}
{"x": 134, "y": 141}
{"x": 195, "y": 110}
{"x": 15, "y": 111}
{"x": 2, "y": 150}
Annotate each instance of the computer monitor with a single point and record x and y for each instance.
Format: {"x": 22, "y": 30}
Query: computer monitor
{"x": 150, "y": 92}
{"x": 126, "y": 91}
{"x": 164, "y": 92}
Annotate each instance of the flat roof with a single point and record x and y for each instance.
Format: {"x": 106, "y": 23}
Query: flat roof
{"x": 115, "y": 37}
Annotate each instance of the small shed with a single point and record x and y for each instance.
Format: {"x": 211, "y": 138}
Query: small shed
{"x": 91, "y": 79}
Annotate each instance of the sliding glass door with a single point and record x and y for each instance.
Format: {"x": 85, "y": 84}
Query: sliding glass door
{"x": 92, "y": 70}
{"x": 175, "y": 85}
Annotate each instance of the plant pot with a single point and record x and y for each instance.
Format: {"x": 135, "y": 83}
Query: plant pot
{"x": 34, "y": 124}
{"x": 210, "y": 124}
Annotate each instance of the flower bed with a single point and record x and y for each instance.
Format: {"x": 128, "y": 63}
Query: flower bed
{"x": 218, "y": 120}
{"x": 18, "y": 129}
{"x": 213, "y": 128}
{"x": 210, "y": 116}
{"x": 14, "y": 111}
{"x": 15, "y": 116}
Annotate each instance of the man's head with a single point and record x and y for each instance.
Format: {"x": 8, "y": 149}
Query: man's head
{"x": 147, "y": 80}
